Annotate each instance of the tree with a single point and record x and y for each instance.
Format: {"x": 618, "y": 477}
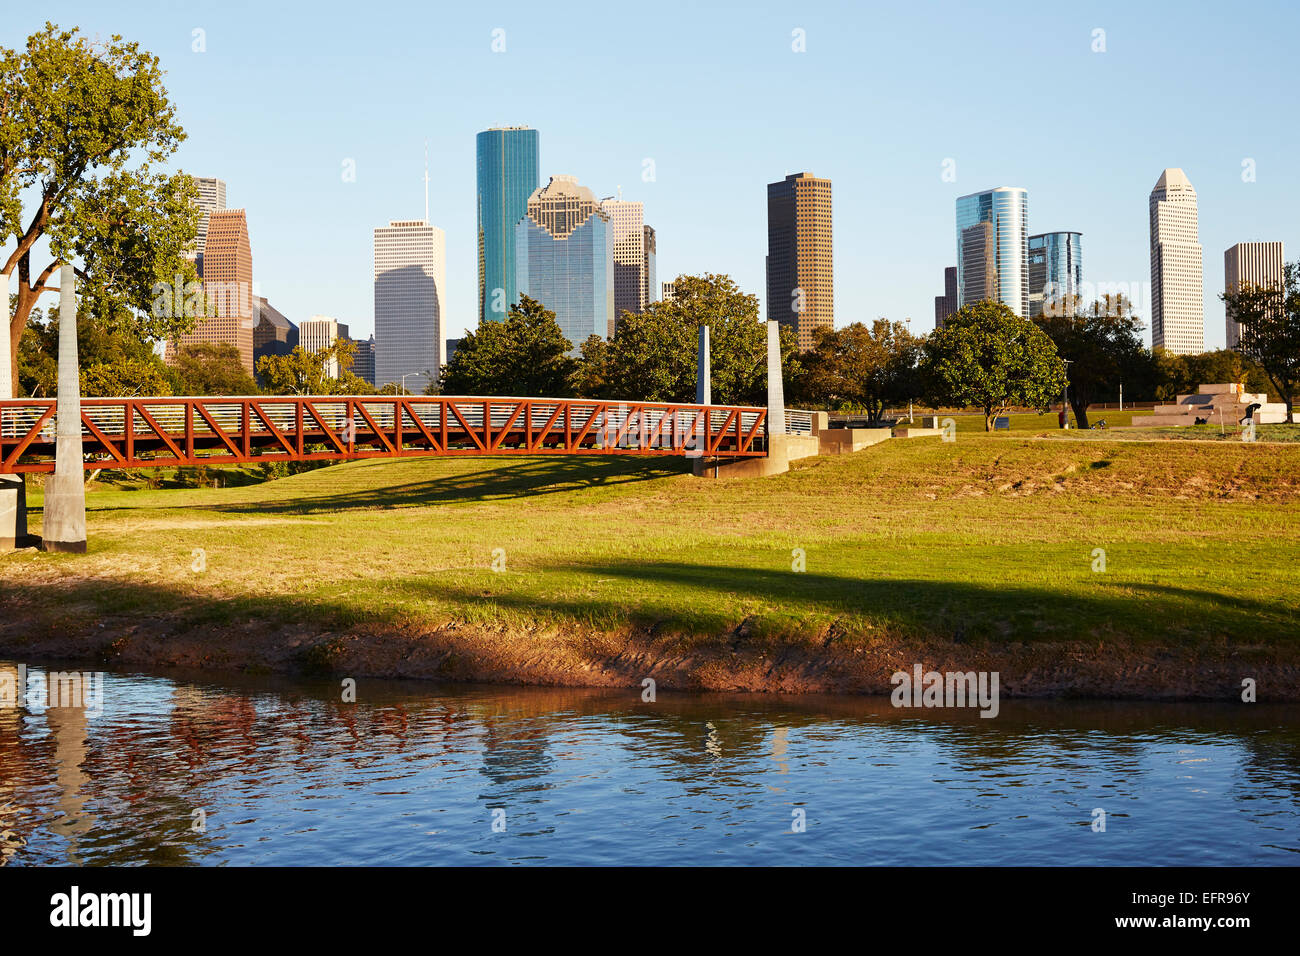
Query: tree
{"x": 308, "y": 373}
{"x": 113, "y": 361}
{"x": 988, "y": 357}
{"x": 870, "y": 368}
{"x": 1101, "y": 343}
{"x": 1270, "y": 330}
{"x": 74, "y": 114}
{"x": 526, "y": 354}
{"x": 210, "y": 368}
{"x": 653, "y": 355}
{"x": 592, "y": 374}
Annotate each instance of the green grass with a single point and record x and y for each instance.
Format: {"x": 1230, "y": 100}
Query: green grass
{"x": 989, "y": 537}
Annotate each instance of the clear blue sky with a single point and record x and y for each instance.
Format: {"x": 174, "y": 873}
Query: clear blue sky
{"x": 714, "y": 94}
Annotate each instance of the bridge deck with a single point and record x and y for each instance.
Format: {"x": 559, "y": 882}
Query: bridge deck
{"x": 163, "y": 432}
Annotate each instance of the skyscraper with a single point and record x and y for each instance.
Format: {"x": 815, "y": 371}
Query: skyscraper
{"x": 945, "y": 305}
{"x": 1055, "y": 271}
{"x": 633, "y": 258}
{"x": 410, "y": 284}
{"x": 363, "y": 361}
{"x": 1250, "y": 263}
{"x": 1177, "y": 307}
{"x": 227, "y": 288}
{"x": 651, "y": 281}
{"x": 273, "y": 333}
{"x": 320, "y": 332}
{"x": 800, "y": 274}
{"x": 565, "y": 258}
{"x": 212, "y": 198}
{"x": 992, "y": 248}
{"x": 508, "y": 173}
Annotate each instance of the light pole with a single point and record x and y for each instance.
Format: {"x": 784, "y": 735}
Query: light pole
{"x": 1065, "y": 396}
{"x": 404, "y": 374}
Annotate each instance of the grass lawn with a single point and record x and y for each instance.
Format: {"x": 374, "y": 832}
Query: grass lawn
{"x": 986, "y": 538}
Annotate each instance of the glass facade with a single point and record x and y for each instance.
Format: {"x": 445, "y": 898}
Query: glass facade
{"x": 1055, "y": 271}
{"x": 564, "y": 252}
{"x": 992, "y": 248}
{"x": 508, "y": 173}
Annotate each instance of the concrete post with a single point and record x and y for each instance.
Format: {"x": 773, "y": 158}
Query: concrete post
{"x": 65, "y": 494}
{"x": 775, "y": 387}
{"x": 703, "y": 371}
{"x": 13, "y": 488}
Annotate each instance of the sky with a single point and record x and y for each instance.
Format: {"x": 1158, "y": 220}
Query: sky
{"x": 694, "y": 107}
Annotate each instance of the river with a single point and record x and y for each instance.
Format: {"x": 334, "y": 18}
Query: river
{"x": 199, "y": 769}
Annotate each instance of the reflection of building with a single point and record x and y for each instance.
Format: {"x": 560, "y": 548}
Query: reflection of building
{"x": 1250, "y": 263}
{"x": 565, "y": 258}
{"x": 363, "y": 360}
{"x": 945, "y": 305}
{"x": 320, "y": 332}
{"x": 800, "y": 277}
{"x": 227, "y": 287}
{"x": 1055, "y": 272}
{"x": 410, "y": 279}
{"x": 992, "y": 248}
{"x": 634, "y": 256}
{"x": 508, "y": 173}
{"x": 273, "y": 334}
{"x": 1177, "y": 308}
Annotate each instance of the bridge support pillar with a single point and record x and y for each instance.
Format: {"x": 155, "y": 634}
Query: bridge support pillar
{"x": 65, "y": 494}
{"x": 13, "y": 513}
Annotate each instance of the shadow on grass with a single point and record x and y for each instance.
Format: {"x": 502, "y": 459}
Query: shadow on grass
{"x": 504, "y": 481}
{"x": 726, "y": 603}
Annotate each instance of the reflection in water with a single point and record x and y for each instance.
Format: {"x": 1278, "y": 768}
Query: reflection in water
{"x": 415, "y": 773}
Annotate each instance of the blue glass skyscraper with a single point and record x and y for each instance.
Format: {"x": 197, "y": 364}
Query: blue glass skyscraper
{"x": 1055, "y": 271}
{"x": 992, "y": 248}
{"x": 565, "y": 258}
{"x": 508, "y": 173}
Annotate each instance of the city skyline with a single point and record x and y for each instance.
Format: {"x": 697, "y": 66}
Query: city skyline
{"x": 312, "y": 225}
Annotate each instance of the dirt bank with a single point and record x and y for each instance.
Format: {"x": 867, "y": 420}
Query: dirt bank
{"x": 728, "y": 662}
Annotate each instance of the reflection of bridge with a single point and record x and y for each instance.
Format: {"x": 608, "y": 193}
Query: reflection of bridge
{"x": 157, "y": 432}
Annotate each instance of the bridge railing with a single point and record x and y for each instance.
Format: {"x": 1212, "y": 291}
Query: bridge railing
{"x": 143, "y": 432}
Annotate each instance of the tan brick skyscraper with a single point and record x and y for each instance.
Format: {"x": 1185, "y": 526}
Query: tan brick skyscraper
{"x": 228, "y": 286}
{"x": 800, "y": 277}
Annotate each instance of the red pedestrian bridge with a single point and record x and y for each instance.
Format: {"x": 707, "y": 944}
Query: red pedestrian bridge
{"x": 166, "y": 432}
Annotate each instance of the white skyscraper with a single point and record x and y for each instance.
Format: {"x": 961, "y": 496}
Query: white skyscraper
{"x": 410, "y": 279}
{"x": 320, "y": 332}
{"x": 1250, "y": 263}
{"x": 212, "y": 198}
{"x": 1177, "y": 306}
{"x": 633, "y": 256}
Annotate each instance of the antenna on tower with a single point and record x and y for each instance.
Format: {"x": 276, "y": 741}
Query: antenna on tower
{"x": 620, "y": 193}
{"x": 426, "y": 182}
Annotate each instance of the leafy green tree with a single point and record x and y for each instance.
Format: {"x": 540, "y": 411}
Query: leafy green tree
{"x": 1270, "y": 331}
{"x": 1102, "y": 343}
{"x": 114, "y": 361}
{"x": 210, "y": 368}
{"x": 308, "y": 373}
{"x": 83, "y": 124}
{"x": 988, "y": 357}
{"x": 526, "y": 354}
{"x": 653, "y": 354}
{"x": 867, "y": 368}
{"x": 592, "y": 373}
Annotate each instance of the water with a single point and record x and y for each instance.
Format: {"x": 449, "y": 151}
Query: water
{"x": 286, "y": 773}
